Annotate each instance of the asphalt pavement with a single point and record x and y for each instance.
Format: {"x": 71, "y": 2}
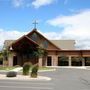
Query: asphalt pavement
{"x": 62, "y": 79}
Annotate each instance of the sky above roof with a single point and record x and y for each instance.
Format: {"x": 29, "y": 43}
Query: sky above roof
{"x": 57, "y": 19}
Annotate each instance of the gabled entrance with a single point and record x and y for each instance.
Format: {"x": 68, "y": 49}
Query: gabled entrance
{"x": 42, "y": 41}
{"x": 24, "y": 47}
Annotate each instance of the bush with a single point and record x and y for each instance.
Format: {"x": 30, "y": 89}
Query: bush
{"x": 26, "y": 68}
{"x": 34, "y": 72}
{"x": 11, "y": 74}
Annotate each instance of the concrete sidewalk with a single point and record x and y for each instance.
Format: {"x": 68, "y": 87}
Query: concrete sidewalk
{"x": 17, "y": 69}
{"x": 74, "y": 67}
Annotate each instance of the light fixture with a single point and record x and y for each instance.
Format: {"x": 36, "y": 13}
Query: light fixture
{"x": 11, "y": 48}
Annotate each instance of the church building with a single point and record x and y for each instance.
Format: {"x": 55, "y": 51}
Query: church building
{"x": 59, "y": 52}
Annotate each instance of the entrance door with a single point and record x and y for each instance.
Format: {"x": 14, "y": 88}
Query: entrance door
{"x": 49, "y": 61}
{"x": 15, "y": 60}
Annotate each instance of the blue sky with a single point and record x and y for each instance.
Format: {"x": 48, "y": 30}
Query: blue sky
{"x": 57, "y": 19}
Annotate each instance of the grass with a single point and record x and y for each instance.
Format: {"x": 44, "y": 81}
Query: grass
{"x": 6, "y": 68}
{"x": 45, "y": 68}
{"x": 10, "y": 68}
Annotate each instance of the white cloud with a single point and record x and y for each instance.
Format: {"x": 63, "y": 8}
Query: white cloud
{"x": 52, "y": 35}
{"x": 76, "y": 27}
{"x": 9, "y": 35}
{"x": 27, "y": 3}
{"x": 18, "y": 3}
{"x": 39, "y": 3}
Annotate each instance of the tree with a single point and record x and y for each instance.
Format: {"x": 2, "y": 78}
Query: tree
{"x": 5, "y": 53}
{"x": 1, "y": 57}
{"x": 40, "y": 52}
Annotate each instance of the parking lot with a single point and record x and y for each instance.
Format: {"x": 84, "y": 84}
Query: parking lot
{"x": 62, "y": 79}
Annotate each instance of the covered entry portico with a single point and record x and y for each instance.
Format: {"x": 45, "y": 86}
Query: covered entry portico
{"x": 23, "y": 49}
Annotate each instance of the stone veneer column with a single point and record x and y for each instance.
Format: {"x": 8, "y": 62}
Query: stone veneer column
{"x": 83, "y": 62}
{"x": 10, "y": 60}
{"x": 40, "y": 62}
{"x": 54, "y": 60}
{"x": 70, "y": 61}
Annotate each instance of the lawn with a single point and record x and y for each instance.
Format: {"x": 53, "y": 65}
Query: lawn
{"x": 10, "y": 68}
{"x": 45, "y": 68}
{"x": 6, "y": 68}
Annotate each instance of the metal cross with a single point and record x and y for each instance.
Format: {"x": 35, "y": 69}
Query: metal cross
{"x": 35, "y": 24}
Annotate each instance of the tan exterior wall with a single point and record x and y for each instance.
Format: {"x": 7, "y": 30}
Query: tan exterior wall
{"x": 54, "y": 55}
{"x": 69, "y": 54}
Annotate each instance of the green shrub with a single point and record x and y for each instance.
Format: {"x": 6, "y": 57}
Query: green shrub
{"x": 34, "y": 71}
{"x": 11, "y": 74}
{"x": 26, "y": 68}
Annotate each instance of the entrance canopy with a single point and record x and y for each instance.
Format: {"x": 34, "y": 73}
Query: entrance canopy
{"x": 24, "y": 44}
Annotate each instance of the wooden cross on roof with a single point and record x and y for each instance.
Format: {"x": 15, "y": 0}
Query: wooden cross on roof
{"x": 35, "y": 24}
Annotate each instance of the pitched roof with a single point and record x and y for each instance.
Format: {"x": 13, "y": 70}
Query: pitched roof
{"x": 59, "y": 44}
{"x": 23, "y": 43}
{"x": 65, "y": 44}
{"x": 18, "y": 40}
{"x": 35, "y": 30}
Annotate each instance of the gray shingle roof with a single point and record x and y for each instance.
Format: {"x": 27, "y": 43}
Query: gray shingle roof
{"x": 65, "y": 44}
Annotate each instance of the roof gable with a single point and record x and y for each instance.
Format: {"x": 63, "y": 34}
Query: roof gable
{"x": 41, "y": 40}
{"x": 23, "y": 43}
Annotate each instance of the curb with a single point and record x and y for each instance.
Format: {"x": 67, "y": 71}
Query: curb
{"x": 25, "y": 78}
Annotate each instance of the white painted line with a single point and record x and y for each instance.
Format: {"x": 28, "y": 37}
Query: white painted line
{"x": 45, "y": 88}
